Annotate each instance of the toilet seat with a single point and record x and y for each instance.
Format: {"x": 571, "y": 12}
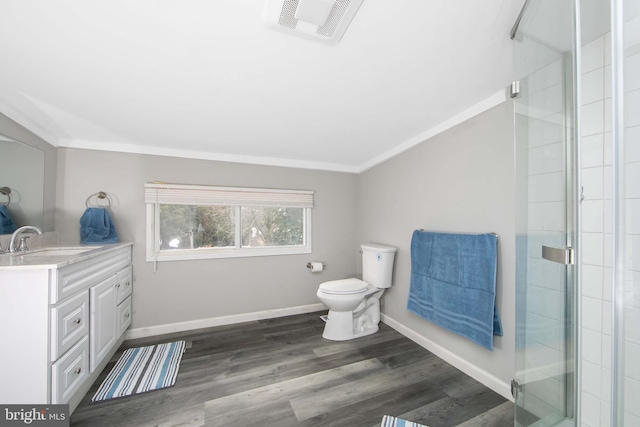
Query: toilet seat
{"x": 344, "y": 287}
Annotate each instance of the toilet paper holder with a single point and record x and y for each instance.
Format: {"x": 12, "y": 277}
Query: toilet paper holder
{"x": 316, "y": 266}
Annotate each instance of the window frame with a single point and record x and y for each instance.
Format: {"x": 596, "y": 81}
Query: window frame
{"x": 206, "y": 195}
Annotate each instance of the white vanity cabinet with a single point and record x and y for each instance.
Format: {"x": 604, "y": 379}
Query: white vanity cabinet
{"x": 61, "y": 323}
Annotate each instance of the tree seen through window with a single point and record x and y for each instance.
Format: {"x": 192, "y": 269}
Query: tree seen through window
{"x": 194, "y": 226}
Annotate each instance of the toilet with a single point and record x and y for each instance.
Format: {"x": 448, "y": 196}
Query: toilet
{"x": 354, "y": 304}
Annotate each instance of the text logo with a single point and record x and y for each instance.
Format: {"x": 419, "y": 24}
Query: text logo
{"x": 34, "y": 415}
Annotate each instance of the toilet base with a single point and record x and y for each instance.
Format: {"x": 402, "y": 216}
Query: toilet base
{"x": 366, "y": 331}
{"x": 340, "y": 326}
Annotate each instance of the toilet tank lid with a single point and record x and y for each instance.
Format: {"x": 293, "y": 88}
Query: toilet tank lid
{"x": 377, "y": 248}
{"x": 344, "y": 286}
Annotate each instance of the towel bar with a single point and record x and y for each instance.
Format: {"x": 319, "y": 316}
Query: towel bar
{"x": 99, "y": 195}
{"x": 458, "y": 232}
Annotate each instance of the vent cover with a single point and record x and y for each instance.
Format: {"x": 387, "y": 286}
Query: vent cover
{"x": 280, "y": 15}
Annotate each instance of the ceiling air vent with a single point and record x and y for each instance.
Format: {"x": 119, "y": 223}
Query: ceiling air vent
{"x": 322, "y": 20}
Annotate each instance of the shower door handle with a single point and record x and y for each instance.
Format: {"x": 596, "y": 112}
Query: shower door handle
{"x": 559, "y": 255}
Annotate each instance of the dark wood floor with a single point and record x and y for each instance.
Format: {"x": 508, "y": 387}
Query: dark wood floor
{"x": 281, "y": 372}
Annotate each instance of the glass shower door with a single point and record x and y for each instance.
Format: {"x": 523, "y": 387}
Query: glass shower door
{"x": 545, "y": 274}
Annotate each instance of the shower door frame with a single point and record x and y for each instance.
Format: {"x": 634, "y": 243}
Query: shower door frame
{"x": 571, "y": 195}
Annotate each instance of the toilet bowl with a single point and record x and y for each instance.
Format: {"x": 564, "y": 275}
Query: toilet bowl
{"x": 343, "y": 298}
{"x": 354, "y": 304}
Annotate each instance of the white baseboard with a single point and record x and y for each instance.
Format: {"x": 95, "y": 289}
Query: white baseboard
{"x": 220, "y": 321}
{"x": 473, "y": 371}
{"x": 489, "y": 380}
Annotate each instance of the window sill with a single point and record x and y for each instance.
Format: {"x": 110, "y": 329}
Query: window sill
{"x": 194, "y": 254}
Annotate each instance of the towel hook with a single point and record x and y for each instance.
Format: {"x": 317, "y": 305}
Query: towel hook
{"x": 99, "y": 195}
{"x": 7, "y": 192}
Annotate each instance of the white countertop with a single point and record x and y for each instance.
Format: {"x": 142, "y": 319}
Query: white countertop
{"x": 30, "y": 260}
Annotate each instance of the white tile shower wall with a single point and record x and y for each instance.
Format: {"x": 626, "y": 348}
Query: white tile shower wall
{"x": 597, "y": 239}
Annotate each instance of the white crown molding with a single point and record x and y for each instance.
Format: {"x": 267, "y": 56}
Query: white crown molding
{"x": 204, "y": 155}
{"x": 27, "y": 123}
{"x": 478, "y": 108}
{"x": 482, "y": 106}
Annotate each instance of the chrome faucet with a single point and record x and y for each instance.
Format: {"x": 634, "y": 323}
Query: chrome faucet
{"x": 23, "y": 240}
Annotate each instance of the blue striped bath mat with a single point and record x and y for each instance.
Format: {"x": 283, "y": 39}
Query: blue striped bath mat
{"x": 389, "y": 421}
{"x": 142, "y": 369}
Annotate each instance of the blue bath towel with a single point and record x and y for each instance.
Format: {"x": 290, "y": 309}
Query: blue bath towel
{"x": 97, "y": 227}
{"x": 7, "y": 226}
{"x": 453, "y": 283}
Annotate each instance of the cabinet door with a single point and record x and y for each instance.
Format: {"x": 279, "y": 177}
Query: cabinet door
{"x": 104, "y": 320}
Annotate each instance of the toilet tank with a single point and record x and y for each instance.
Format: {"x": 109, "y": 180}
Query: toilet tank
{"x": 377, "y": 264}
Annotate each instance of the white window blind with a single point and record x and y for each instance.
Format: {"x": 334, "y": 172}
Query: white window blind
{"x": 181, "y": 194}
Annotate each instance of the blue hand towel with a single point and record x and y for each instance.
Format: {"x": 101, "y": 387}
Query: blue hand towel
{"x": 453, "y": 283}
{"x": 7, "y": 225}
{"x": 96, "y": 226}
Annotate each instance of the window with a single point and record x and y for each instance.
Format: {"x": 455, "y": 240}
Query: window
{"x": 197, "y": 221}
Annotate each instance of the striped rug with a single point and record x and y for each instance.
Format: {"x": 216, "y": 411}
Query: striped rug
{"x": 389, "y": 421}
{"x": 142, "y": 369}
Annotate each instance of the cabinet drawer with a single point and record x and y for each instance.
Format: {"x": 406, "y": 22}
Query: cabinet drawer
{"x": 78, "y": 276}
{"x": 124, "y": 315}
{"x": 125, "y": 283}
{"x": 69, "y": 372}
{"x": 69, "y": 323}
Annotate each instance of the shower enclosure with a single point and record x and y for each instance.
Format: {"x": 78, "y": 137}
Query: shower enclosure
{"x": 577, "y": 123}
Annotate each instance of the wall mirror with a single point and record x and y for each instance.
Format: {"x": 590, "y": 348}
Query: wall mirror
{"x": 22, "y": 171}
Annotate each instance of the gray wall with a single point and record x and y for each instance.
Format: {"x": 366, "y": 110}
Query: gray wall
{"x": 462, "y": 181}
{"x": 183, "y": 291}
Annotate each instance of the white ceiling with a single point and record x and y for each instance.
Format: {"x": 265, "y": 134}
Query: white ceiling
{"x": 208, "y": 79}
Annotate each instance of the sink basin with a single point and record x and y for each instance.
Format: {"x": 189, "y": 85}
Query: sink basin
{"x": 57, "y": 252}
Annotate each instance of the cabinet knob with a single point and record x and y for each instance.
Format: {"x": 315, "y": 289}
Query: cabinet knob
{"x": 78, "y": 320}
{"x": 127, "y": 283}
{"x": 77, "y": 371}
{"x": 127, "y": 315}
